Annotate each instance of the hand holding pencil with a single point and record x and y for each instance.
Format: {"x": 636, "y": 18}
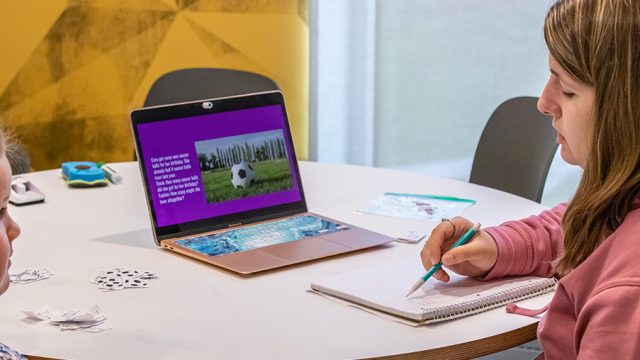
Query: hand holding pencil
{"x": 475, "y": 258}
{"x": 461, "y": 241}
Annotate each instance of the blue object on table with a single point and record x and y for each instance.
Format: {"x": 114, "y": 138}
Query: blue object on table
{"x": 83, "y": 174}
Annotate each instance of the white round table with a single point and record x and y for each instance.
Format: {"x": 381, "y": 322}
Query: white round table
{"x": 194, "y": 310}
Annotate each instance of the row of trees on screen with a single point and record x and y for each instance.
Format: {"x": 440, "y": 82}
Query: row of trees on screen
{"x": 272, "y": 149}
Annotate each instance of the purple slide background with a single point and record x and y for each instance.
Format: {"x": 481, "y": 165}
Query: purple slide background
{"x": 172, "y": 137}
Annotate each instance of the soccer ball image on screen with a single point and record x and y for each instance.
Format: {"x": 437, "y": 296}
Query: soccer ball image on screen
{"x": 242, "y": 175}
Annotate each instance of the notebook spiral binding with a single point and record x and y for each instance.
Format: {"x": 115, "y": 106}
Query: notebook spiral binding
{"x": 498, "y": 299}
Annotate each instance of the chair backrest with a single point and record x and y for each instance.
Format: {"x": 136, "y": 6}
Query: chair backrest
{"x": 19, "y": 160}
{"x": 515, "y": 150}
{"x": 205, "y": 83}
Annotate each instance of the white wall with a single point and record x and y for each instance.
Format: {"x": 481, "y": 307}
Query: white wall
{"x": 410, "y": 84}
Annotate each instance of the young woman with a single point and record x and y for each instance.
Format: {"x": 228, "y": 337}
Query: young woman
{"x": 592, "y": 244}
{"x": 9, "y": 231}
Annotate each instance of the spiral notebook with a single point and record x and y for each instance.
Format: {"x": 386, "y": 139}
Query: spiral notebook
{"x": 383, "y": 288}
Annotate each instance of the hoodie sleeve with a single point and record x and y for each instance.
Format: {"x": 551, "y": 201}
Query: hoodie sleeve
{"x": 527, "y": 246}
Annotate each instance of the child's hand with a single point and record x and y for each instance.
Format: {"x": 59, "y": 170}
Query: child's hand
{"x": 475, "y": 258}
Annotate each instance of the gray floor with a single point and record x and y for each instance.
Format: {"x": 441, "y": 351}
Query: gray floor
{"x": 526, "y": 351}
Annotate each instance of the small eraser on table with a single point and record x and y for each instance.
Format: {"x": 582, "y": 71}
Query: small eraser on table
{"x": 411, "y": 238}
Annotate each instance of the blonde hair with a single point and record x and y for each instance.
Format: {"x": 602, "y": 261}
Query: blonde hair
{"x": 8, "y": 144}
{"x": 597, "y": 42}
{"x": 3, "y": 141}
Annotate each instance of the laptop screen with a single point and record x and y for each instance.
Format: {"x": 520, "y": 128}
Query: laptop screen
{"x": 209, "y": 164}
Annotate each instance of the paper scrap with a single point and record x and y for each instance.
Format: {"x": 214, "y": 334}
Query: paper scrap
{"x": 122, "y": 278}
{"x": 84, "y": 320}
{"x": 29, "y": 276}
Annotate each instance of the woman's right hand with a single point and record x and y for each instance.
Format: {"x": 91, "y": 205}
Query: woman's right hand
{"x": 474, "y": 259}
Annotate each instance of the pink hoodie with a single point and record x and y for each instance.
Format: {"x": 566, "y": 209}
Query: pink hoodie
{"x": 595, "y": 312}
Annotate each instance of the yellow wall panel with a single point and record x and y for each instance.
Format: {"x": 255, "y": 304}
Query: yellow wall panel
{"x": 278, "y": 44}
{"x": 23, "y": 24}
{"x": 181, "y": 48}
{"x": 77, "y": 67}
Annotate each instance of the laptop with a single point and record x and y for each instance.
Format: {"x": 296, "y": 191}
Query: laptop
{"x": 223, "y": 186}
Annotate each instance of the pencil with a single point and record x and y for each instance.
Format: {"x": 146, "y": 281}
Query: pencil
{"x": 462, "y": 240}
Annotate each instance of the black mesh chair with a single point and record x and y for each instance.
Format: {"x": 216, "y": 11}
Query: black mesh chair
{"x": 515, "y": 150}
{"x": 205, "y": 83}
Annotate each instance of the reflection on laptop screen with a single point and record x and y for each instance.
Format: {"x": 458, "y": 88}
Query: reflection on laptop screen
{"x": 218, "y": 164}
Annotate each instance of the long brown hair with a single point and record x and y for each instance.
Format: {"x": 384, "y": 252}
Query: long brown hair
{"x": 598, "y": 43}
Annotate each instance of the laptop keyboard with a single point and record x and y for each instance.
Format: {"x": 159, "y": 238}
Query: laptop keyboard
{"x": 260, "y": 235}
